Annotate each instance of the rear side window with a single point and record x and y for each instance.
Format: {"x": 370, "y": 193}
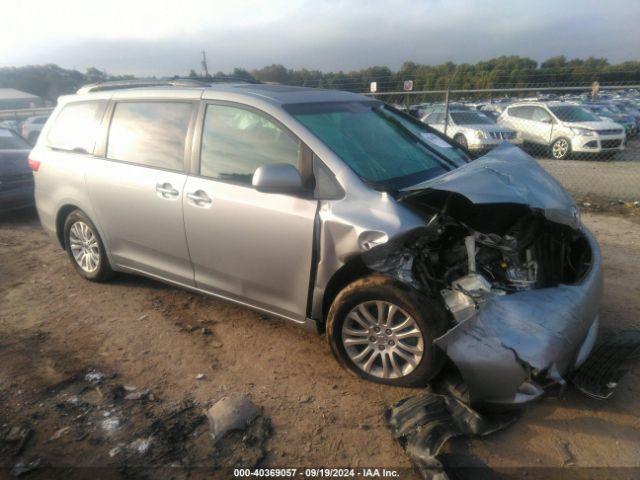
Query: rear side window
{"x": 235, "y": 142}
{"x": 520, "y": 112}
{"x": 150, "y": 133}
{"x": 76, "y": 127}
{"x": 540, "y": 115}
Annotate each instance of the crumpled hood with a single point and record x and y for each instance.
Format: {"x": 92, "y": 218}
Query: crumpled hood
{"x": 506, "y": 175}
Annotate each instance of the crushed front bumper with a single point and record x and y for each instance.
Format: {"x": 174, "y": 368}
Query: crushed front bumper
{"x": 597, "y": 144}
{"x": 516, "y": 344}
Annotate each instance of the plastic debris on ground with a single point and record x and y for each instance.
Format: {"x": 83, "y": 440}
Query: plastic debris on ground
{"x": 600, "y": 373}
{"x": 424, "y": 423}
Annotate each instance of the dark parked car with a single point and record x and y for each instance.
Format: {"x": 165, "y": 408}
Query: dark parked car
{"x": 16, "y": 180}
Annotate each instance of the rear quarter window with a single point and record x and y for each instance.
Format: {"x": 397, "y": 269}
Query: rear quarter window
{"x": 150, "y": 133}
{"x": 520, "y": 112}
{"x": 77, "y": 126}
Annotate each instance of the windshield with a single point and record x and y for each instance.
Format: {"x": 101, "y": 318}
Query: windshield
{"x": 470, "y": 118}
{"x": 12, "y": 141}
{"x": 438, "y": 142}
{"x": 572, "y": 113}
{"x": 613, "y": 109}
{"x": 373, "y": 142}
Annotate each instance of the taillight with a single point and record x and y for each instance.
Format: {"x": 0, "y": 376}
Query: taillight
{"x": 34, "y": 165}
{"x": 24, "y": 131}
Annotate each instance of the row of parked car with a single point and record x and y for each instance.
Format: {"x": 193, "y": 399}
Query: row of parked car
{"x": 29, "y": 129}
{"x": 558, "y": 126}
{"x": 16, "y": 180}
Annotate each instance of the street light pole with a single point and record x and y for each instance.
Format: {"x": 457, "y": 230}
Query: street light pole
{"x": 446, "y": 100}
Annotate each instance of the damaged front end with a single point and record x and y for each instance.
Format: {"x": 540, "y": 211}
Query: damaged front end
{"x": 504, "y": 252}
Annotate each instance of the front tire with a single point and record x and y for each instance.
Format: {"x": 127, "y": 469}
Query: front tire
{"x": 85, "y": 248}
{"x": 382, "y": 330}
{"x": 561, "y": 149}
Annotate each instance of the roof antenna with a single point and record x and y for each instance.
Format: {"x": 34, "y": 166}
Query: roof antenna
{"x": 204, "y": 64}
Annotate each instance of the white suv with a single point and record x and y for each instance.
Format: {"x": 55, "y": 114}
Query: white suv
{"x": 564, "y": 127}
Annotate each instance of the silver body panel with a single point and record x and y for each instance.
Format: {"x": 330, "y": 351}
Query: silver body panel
{"x": 143, "y": 228}
{"x": 251, "y": 246}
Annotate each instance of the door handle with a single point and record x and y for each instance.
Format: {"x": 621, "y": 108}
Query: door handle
{"x": 166, "y": 190}
{"x": 199, "y": 198}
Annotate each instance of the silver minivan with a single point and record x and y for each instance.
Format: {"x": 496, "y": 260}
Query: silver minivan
{"x": 335, "y": 212}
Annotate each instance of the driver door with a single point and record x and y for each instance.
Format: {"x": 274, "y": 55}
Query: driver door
{"x": 249, "y": 246}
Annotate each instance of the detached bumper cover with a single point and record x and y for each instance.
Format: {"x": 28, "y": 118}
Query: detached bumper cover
{"x": 551, "y": 330}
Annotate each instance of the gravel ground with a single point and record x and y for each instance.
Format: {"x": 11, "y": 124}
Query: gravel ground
{"x": 54, "y": 326}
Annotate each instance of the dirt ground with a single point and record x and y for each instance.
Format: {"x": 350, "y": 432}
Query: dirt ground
{"x": 55, "y": 327}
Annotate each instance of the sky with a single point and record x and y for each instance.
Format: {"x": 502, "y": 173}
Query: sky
{"x": 163, "y": 37}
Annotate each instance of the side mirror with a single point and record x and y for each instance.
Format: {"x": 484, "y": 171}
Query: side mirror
{"x": 277, "y": 178}
{"x": 546, "y": 120}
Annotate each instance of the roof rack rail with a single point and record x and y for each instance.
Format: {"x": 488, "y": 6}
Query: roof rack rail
{"x": 219, "y": 78}
{"x": 122, "y": 84}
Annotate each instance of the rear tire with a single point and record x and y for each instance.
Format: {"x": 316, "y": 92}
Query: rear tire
{"x": 85, "y": 248}
{"x": 386, "y": 340}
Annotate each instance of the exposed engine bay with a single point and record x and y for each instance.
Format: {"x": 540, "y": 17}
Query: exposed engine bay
{"x": 465, "y": 266}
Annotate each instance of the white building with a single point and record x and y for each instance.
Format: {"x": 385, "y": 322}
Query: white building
{"x": 12, "y": 99}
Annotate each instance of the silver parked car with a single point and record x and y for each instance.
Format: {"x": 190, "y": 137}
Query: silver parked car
{"x": 335, "y": 212}
{"x": 472, "y": 129}
{"x": 32, "y": 127}
{"x": 563, "y": 127}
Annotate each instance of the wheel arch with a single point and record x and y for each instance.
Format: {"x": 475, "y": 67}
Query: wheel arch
{"x": 351, "y": 271}
{"x": 61, "y": 217}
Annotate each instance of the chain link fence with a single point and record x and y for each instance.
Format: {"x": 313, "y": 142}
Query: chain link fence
{"x": 589, "y": 143}
{"x": 27, "y": 122}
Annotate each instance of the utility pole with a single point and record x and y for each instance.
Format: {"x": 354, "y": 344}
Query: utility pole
{"x": 446, "y": 101}
{"x": 204, "y": 64}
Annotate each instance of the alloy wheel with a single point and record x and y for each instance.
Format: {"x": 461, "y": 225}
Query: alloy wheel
{"x": 560, "y": 149}
{"x": 382, "y": 340}
{"x": 84, "y": 246}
